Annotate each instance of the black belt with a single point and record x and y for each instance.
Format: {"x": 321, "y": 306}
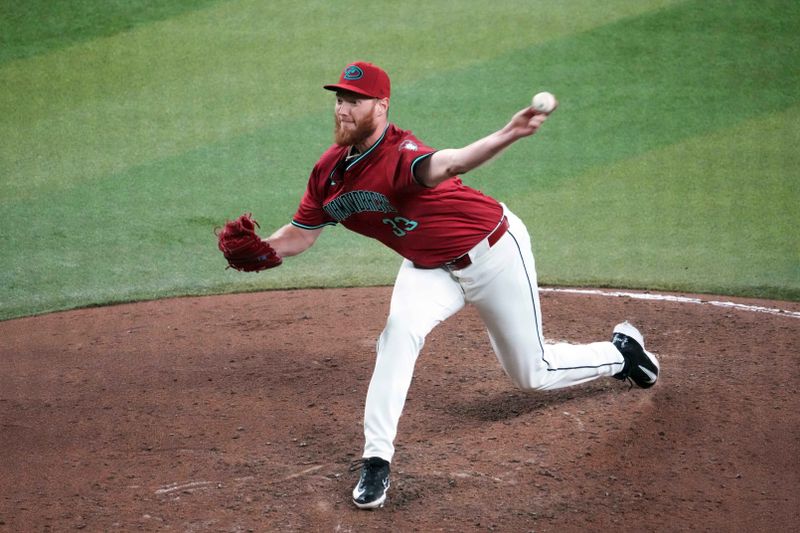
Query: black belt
{"x": 463, "y": 261}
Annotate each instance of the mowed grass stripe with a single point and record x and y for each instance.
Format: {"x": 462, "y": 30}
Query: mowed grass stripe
{"x": 626, "y": 88}
{"x": 35, "y": 27}
{"x": 170, "y": 86}
{"x": 714, "y": 213}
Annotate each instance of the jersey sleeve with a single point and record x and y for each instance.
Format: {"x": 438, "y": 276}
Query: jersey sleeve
{"x": 310, "y": 214}
{"x": 412, "y": 152}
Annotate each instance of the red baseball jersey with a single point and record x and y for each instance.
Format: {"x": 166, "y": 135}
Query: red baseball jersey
{"x": 375, "y": 194}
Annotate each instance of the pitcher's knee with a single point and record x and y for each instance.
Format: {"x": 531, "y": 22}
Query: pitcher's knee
{"x": 532, "y": 381}
{"x": 530, "y": 375}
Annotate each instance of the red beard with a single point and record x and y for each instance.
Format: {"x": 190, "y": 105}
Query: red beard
{"x": 352, "y": 137}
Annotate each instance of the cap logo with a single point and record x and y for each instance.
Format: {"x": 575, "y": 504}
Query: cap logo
{"x": 353, "y": 73}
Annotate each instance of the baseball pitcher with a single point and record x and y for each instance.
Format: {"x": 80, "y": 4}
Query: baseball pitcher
{"x": 458, "y": 245}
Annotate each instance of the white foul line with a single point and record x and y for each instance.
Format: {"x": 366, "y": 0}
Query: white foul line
{"x": 680, "y": 299}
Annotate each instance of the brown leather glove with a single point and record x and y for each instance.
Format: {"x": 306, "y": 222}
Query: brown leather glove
{"x": 243, "y": 248}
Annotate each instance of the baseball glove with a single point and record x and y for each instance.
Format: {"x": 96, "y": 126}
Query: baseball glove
{"x": 243, "y": 248}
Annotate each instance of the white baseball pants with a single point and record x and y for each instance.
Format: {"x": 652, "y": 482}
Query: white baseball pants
{"x": 501, "y": 284}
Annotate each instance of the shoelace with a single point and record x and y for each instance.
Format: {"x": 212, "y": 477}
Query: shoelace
{"x": 623, "y": 340}
{"x": 369, "y": 467}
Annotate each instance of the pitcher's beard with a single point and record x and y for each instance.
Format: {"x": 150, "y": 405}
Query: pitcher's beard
{"x": 352, "y": 137}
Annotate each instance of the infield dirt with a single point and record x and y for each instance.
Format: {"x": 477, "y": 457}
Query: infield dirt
{"x": 243, "y": 413}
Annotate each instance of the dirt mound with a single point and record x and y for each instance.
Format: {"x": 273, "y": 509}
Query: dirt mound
{"x": 243, "y": 413}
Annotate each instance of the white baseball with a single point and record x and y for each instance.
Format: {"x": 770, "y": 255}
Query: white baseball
{"x": 544, "y": 102}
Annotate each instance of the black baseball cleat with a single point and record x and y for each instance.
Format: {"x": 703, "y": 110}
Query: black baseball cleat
{"x": 641, "y": 366}
{"x": 370, "y": 493}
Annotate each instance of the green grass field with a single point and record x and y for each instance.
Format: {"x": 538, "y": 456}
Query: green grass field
{"x": 131, "y": 129}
